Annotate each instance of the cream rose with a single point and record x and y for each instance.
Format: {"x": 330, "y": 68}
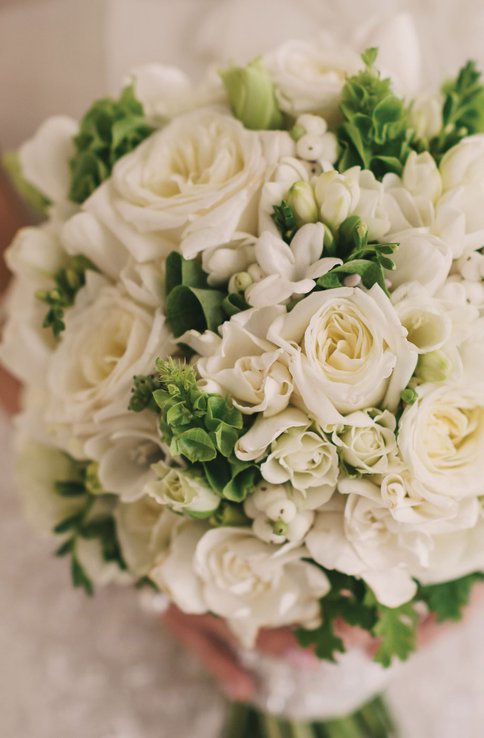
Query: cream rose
{"x": 194, "y": 183}
{"x": 309, "y": 76}
{"x": 108, "y": 339}
{"x": 346, "y": 350}
{"x": 246, "y": 366}
{"x": 182, "y": 491}
{"x": 231, "y": 573}
{"x": 441, "y": 437}
{"x": 371, "y": 449}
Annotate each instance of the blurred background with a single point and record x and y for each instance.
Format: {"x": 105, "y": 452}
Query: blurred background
{"x": 78, "y": 668}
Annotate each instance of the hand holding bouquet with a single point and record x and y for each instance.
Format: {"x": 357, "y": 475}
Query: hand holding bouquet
{"x": 251, "y": 334}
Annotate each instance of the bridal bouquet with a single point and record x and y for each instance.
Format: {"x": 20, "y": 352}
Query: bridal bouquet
{"x": 251, "y": 338}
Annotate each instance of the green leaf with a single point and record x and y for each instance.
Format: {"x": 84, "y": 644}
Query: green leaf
{"x": 70, "y": 488}
{"x": 195, "y": 444}
{"x": 285, "y": 220}
{"x": 244, "y": 478}
{"x": 449, "y": 600}
{"x": 180, "y": 271}
{"x": 233, "y": 304}
{"x": 109, "y": 130}
{"x": 397, "y": 629}
{"x": 225, "y": 439}
{"x": 80, "y": 578}
{"x": 193, "y": 308}
{"x": 327, "y": 644}
{"x": 26, "y": 191}
{"x": 369, "y": 56}
{"x": 219, "y": 410}
{"x": 69, "y": 524}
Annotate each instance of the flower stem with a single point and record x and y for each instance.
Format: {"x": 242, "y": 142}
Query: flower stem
{"x": 370, "y": 721}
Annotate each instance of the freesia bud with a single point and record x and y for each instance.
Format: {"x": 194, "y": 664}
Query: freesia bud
{"x": 433, "y": 367}
{"x": 239, "y": 282}
{"x": 252, "y": 96}
{"x": 303, "y": 203}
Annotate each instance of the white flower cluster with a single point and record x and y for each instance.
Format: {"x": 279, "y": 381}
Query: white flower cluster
{"x": 349, "y": 474}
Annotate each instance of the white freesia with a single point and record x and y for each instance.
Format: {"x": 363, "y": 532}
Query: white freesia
{"x": 277, "y": 515}
{"x": 290, "y": 270}
{"x": 182, "y": 491}
{"x": 231, "y": 573}
{"x": 371, "y": 449}
{"x": 308, "y": 460}
{"x": 247, "y": 367}
{"x": 309, "y": 76}
{"x": 125, "y": 454}
{"x": 287, "y": 172}
{"x": 108, "y": 339}
{"x": 371, "y": 205}
{"x": 421, "y": 176}
{"x": 194, "y": 183}
{"x": 45, "y": 158}
{"x": 441, "y": 437}
{"x": 144, "y": 529}
{"x": 420, "y": 257}
{"x": 314, "y": 142}
{"x": 426, "y": 116}
{"x": 346, "y": 351}
{"x": 337, "y": 195}
{"x": 222, "y": 262}
{"x": 359, "y": 537}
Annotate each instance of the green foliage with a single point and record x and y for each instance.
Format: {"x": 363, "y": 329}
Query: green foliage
{"x": 68, "y": 282}
{"x": 285, "y": 220}
{"x": 462, "y": 110}
{"x": 28, "y": 193}
{"x": 109, "y": 130}
{"x": 368, "y": 261}
{"x": 397, "y": 630}
{"x": 346, "y": 601}
{"x": 142, "y": 393}
{"x": 375, "y": 133}
{"x": 448, "y": 600}
{"x": 190, "y": 301}
{"x": 203, "y": 428}
{"x": 86, "y": 522}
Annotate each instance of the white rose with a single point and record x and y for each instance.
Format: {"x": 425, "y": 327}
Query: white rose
{"x": 359, "y": 537}
{"x": 337, "y": 195}
{"x": 371, "y": 449}
{"x": 441, "y": 437}
{"x": 420, "y": 257}
{"x": 277, "y": 514}
{"x": 247, "y": 367}
{"x": 108, "y": 339}
{"x": 346, "y": 350}
{"x": 305, "y": 458}
{"x": 144, "y": 530}
{"x": 195, "y": 183}
{"x": 309, "y": 77}
{"x": 244, "y": 580}
{"x": 182, "y": 491}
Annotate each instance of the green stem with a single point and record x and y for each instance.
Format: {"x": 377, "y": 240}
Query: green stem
{"x": 370, "y": 721}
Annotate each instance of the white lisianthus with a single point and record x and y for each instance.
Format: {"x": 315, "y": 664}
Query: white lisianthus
{"x": 231, "y": 573}
{"x": 441, "y": 437}
{"x": 290, "y": 270}
{"x": 194, "y": 183}
{"x": 371, "y": 449}
{"x": 36, "y": 254}
{"x": 125, "y": 454}
{"x": 182, "y": 491}
{"x": 359, "y": 537}
{"x": 346, "y": 351}
{"x": 308, "y": 460}
{"x": 277, "y": 515}
{"x": 254, "y": 444}
{"x": 45, "y": 158}
{"x": 246, "y": 366}
{"x": 420, "y": 257}
{"x": 144, "y": 529}
{"x": 145, "y": 283}
{"x": 107, "y": 341}
{"x": 309, "y": 76}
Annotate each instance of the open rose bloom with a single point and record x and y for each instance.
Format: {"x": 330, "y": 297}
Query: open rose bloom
{"x": 251, "y": 337}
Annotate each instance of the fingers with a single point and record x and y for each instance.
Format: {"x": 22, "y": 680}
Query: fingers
{"x": 198, "y": 634}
